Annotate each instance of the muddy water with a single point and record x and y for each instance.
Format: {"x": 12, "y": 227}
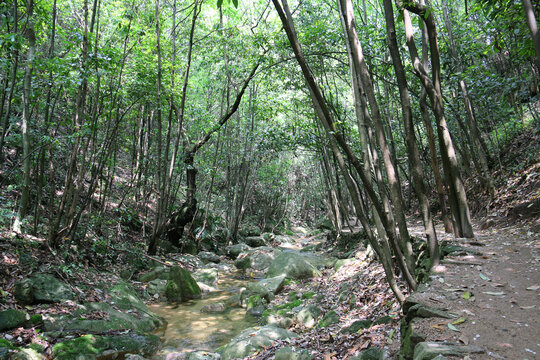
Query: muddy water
{"x": 188, "y": 329}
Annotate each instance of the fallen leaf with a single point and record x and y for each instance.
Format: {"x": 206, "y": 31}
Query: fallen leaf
{"x": 466, "y": 295}
{"x": 484, "y": 277}
{"x": 528, "y": 307}
{"x": 533, "y": 288}
{"x": 461, "y": 320}
{"x": 494, "y": 293}
{"x": 464, "y": 340}
{"x": 452, "y": 327}
{"x": 436, "y": 326}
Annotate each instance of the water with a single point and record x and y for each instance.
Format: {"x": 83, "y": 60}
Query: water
{"x": 188, "y": 329}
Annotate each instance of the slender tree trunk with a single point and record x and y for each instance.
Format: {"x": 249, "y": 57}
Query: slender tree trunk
{"x": 27, "y": 92}
{"x": 457, "y": 195}
{"x": 414, "y": 158}
{"x": 533, "y": 28}
{"x": 327, "y": 122}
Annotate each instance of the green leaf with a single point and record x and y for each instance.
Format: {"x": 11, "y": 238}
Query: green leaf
{"x": 235, "y": 2}
{"x": 484, "y": 277}
{"x": 452, "y": 327}
{"x": 219, "y": 3}
{"x": 461, "y": 320}
{"x": 466, "y": 295}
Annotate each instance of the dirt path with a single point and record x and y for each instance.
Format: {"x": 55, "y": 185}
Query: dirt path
{"x": 495, "y": 286}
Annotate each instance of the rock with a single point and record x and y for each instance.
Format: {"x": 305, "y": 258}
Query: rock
{"x": 156, "y": 286}
{"x": 111, "y": 347}
{"x": 258, "y": 259}
{"x": 143, "y": 321}
{"x": 4, "y": 353}
{"x": 11, "y": 318}
{"x": 208, "y": 257}
{"x": 308, "y": 315}
{"x": 370, "y": 354}
{"x": 430, "y": 350}
{"x": 251, "y": 340}
{"x": 202, "y": 355}
{"x": 410, "y": 337}
{"x": 27, "y": 354}
{"x": 357, "y": 326}
{"x": 344, "y": 262}
{"x": 215, "y": 308}
{"x": 328, "y": 319}
{"x": 423, "y": 311}
{"x": 293, "y": 265}
{"x": 206, "y": 276}
{"x": 281, "y": 321}
{"x": 181, "y": 286}
{"x": 250, "y": 231}
{"x": 267, "y": 286}
{"x": 234, "y": 250}
{"x": 255, "y": 241}
{"x": 42, "y": 288}
{"x": 287, "y": 353}
{"x": 159, "y": 272}
{"x": 134, "y": 357}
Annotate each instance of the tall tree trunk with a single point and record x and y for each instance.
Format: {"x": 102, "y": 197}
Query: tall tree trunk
{"x": 391, "y": 172}
{"x": 334, "y": 137}
{"x": 456, "y": 191}
{"x": 27, "y": 92}
{"x": 533, "y": 28}
{"x": 415, "y": 165}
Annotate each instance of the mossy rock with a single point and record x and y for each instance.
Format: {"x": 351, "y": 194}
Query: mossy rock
{"x": 42, "y": 288}
{"x": 357, "y": 326}
{"x": 181, "y": 286}
{"x": 114, "y": 346}
{"x": 11, "y": 318}
{"x": 372, "y": 353}
{"x": 328, "y": 319}
{"x": 287, "y": 353}
{"x": 308, "y": 315}
{"x": 243, "y": 263}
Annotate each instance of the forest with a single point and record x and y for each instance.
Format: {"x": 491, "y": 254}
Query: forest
{"x": 155, "y": 153}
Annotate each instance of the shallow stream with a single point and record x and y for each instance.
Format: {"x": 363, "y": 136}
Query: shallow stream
{"x": 189, "y": 329}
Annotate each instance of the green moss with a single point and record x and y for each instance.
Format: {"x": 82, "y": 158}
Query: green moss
{"x": 254, "y": 301}
{"x": 328, "y": 319}
{"x": 7, "y": 344}
{"x": 308, "y": 295}
{"x": 84, "y": 346}
{"x": 36, "y": 347}
{"x": 289, "y": 305}
{"x": 293, "y": 295}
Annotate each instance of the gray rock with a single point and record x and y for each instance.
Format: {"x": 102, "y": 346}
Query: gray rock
{"x": 42, "y": 288}
{"x": 267, "y": 286}
{"x": 258, "y": 259}
{"x": 281, "y": 321}
{"x": 159, "y": 272}
{"x": 430, "y": 350}
{"x": 110, "y": 347}
{"x": 255, "y": 241}
{"x": 370, "y": 354}
{"x": 208, "y": 257}
{"x": 181, "y": 286}
{"x": 11, "y": 318}
{"x": 202, "y": 355}
{"x": 308, "y": 315}
{"x": 156, "y": 286}
{"x": 214, "y": 308}
{"x": 207, "y": 276}
{"x": 293, "y": 265}
{"x": 27, "y": 354}
{"x": 251, "y": 340}
{"x": 234, "y": 250}
{"x": 287, "y": 353}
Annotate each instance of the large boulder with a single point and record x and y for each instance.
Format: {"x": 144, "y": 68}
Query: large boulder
{"x": 234, "y": 250}
{"x": 42, "y": 288}
{"x": 11, "y": 318}
{"x": 207, "y": 276}
{"x": 258, "y": 259}
{"x": 209, "y": 257}
{"x": 251, "y": 340}
{"x": 181, "y": 286}
{"x": 255, "y": 241}
{"x": 106, "y": 347}
{"x": 267, "y": 287}
{"x": 292, "y": 265}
